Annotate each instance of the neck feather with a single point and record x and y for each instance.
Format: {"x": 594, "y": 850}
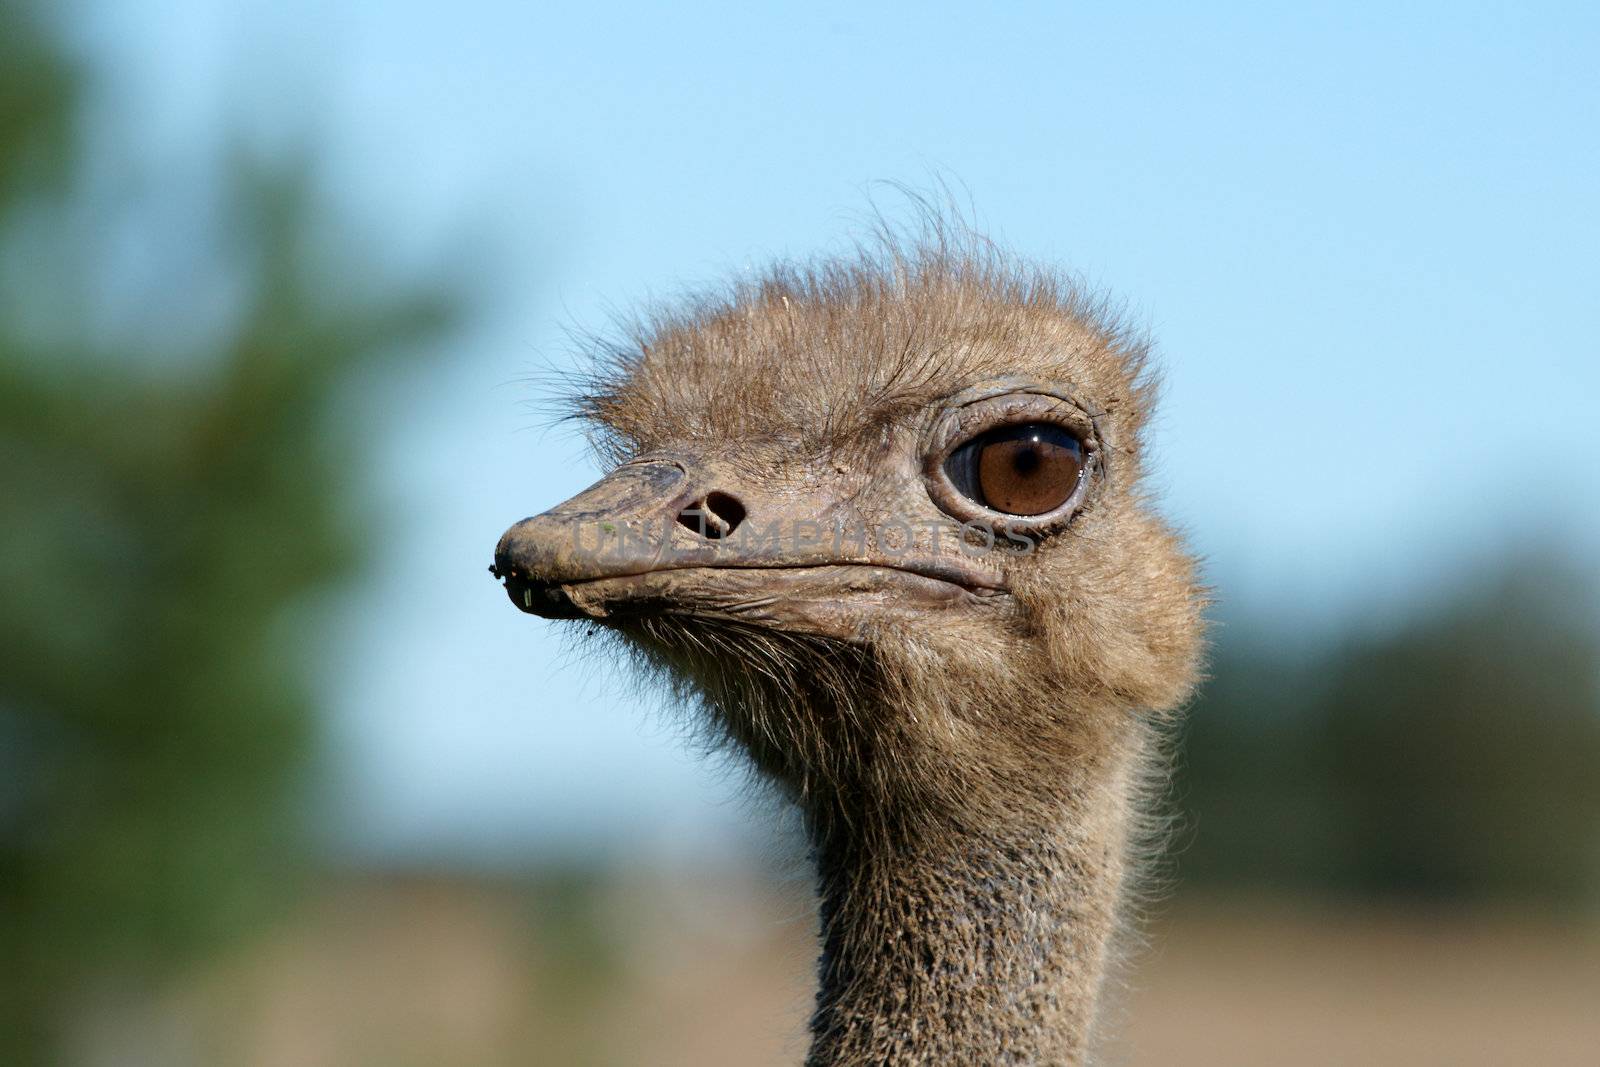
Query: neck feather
{"x": 971, "y": 940}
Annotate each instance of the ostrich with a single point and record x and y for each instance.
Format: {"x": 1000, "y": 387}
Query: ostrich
{"x": 881, "y": 518}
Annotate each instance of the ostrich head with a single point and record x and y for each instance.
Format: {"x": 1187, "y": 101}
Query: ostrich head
{"x": 882, "y": 518}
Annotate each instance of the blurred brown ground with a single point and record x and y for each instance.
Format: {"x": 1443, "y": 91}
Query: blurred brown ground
{"x": 713, "y": 970}
{"x": 1287, "y": 983}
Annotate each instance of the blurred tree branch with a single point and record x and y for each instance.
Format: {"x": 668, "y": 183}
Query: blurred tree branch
{"x": 160, "y": 522}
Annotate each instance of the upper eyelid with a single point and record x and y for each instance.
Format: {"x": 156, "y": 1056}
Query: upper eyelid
{"x": 990, "y": 413}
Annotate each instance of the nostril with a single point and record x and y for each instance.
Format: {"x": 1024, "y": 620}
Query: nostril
{"x": 714, "y": 517}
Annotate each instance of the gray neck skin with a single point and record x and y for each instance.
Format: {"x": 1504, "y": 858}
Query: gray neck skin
{"x": 969, "y": 947}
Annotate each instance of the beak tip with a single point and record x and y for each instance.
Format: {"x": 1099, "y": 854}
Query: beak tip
{"x": 546, "y": 599}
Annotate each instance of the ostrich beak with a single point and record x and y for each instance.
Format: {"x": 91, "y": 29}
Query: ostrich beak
{"x": 613, "y": 529}
{"x": 686, "y": 535}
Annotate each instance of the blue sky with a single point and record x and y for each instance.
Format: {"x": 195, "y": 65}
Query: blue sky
{"x": 1365, "y": 237}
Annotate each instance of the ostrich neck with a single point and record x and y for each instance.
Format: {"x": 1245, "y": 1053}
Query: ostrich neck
{"x": 977, "y": 945}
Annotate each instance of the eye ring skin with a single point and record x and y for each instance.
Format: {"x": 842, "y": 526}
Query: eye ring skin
{"x": 978, "y": 411}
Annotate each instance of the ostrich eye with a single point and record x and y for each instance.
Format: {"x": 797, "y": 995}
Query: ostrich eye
{"x": 1029, "y": 469}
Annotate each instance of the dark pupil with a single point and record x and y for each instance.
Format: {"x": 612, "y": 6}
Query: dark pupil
{"x": 1026, "y": 461}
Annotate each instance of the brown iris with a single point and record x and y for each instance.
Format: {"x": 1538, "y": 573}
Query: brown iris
{"x": 1027, "y": 469}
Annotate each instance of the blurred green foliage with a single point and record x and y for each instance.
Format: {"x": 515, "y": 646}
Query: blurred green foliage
{"x": 38, "y": 98}
{"x": 160, "y": 523}
{"x": 1452, "y": 755}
